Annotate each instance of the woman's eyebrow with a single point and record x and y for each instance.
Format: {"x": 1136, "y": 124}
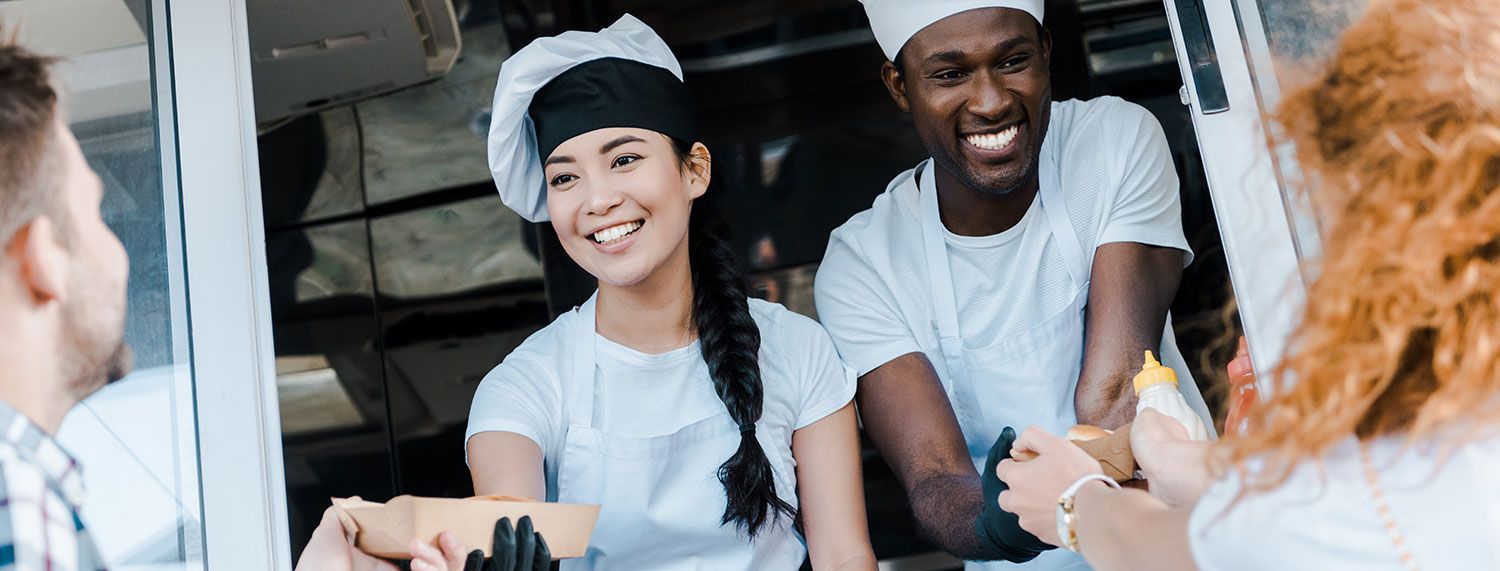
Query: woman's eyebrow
{"x": 559, "y": 159}
{"x": 612, "y": 145}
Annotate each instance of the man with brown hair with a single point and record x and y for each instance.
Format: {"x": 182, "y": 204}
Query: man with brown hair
{"x": 62, "y": 323}
{"x": 62, "y": 316}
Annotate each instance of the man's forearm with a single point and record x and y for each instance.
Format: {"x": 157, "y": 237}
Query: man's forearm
{"x": 909, "y": 419}
{"x": 945, "y": 507}
{"x": 1130, "y": 290}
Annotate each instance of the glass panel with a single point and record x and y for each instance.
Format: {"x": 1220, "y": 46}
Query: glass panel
{"x": 329, "y": 376}
{"x": 433, "y": 136}
{"x": 1286, "y": 42}
{"x": 136, "y": 439}
{"x": 1305, "y": 30}
{"x": 436, "y": 353}
{"x": 325, "y": 263}
{"x": 316, "y": 172}
{"x": 419, "y": 254}
{"x": 388, "y": 247}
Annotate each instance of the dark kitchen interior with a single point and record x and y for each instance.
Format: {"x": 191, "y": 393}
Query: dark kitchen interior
{"x": 398, "y": 279}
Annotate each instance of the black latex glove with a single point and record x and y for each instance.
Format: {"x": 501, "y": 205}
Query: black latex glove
{"x": 519, "y": 549}
{"x": 999, "y": 529}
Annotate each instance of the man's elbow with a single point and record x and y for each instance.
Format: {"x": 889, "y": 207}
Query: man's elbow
{"x": 946, "y": 507}
{"x": 1108, "y": 408}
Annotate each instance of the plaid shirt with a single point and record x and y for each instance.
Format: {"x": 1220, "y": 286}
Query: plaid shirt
{"x": 41, "y": 490}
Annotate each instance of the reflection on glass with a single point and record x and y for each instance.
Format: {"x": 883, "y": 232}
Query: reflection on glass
{"x": 432, "y": 137}
{"x": 436, "y": 353}
{"x": 331, "y": 386}
{"x": 311, "y": 396}
{"x": 338, "y": 188}
{"x": 1303, "y": 30}
{"x": 319, "y": 262}
{"x": 136, "y": 439}
{"x": 1287, "y": 41}
{"x": 327, "y": 279}
{"x": 310, "y": 169}
{"x": 450, "y": 249}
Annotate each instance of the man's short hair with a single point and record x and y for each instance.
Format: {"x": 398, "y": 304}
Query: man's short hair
{"x": 31, "y": 158}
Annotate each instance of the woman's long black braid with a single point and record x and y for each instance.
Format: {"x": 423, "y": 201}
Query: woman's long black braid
{"x": 730, "y": 342}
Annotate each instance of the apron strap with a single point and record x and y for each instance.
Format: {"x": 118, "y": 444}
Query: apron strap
{"x": 584, "y": 338}
{"x": 939, "y": 273}
{"x": 1077, "y": 262}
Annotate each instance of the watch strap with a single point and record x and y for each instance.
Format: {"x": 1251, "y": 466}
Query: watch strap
{"x": 1067, "y": 530}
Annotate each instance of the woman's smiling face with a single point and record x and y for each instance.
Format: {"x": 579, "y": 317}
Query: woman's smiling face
{"x": 620, "y": 200}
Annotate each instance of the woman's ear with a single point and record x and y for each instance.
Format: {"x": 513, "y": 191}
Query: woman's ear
{"x": 700, "y": 170}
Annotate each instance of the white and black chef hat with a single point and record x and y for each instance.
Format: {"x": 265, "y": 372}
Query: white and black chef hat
{"x": 557, "y": 88}
{"x": 896, "y": 21}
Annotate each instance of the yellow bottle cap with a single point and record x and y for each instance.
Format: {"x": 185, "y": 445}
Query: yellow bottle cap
{"x": 1153, "y": 373}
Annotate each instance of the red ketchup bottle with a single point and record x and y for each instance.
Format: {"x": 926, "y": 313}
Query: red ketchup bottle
{"x": 1243, "y": 393}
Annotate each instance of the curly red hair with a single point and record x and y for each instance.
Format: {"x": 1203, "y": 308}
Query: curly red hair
{"x": 1400, "y": 140}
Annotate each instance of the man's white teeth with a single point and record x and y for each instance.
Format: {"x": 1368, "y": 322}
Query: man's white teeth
{"x": 994, "y": 141}
{"x": 614, "y": 233}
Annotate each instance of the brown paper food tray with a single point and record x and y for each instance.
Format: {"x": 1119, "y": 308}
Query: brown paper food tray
{"x": 384, "y": 530}
{"x": 1113, "y": 452}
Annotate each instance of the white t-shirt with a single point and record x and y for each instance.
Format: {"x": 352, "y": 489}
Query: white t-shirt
{"x": 1323, "y": 517}
{"x": 643, "y": 395}
{"x": 1118, "y": 185}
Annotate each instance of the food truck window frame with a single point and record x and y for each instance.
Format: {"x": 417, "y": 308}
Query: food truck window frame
{"x": 213, "y": 120}
{"x": 1268, "y": 228}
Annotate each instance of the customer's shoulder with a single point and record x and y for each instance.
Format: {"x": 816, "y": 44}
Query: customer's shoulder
{"x": 31, "y": 504}
{"x": 22, "y": 480}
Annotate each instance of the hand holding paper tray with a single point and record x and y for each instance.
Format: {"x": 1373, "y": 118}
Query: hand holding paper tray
{"x": 384, "y": 530}
{"x": 1110, "y": 448}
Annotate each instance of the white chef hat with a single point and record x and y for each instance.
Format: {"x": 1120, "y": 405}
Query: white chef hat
{"x": 557, "y": 88}
{"x": 896, "y": 21}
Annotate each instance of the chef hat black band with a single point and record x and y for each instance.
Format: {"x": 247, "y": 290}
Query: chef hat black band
{"x": 611, "y": 92}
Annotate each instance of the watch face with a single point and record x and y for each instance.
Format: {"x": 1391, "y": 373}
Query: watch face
{"x": 1065, "y": 524}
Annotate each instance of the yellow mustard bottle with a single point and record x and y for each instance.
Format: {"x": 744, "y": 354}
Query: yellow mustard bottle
{"x": 1156, "y": 387}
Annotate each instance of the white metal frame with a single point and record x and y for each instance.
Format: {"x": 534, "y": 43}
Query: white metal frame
{"x": 1248, "y": 202}
{"x": 184, "y": 405}
{"x": 242, "y": 479}
{"x": 1268, "y": 92}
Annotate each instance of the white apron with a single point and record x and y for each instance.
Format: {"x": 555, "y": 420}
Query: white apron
{"x": 1029, "y": 378}
{"x": 661, "y": 496}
